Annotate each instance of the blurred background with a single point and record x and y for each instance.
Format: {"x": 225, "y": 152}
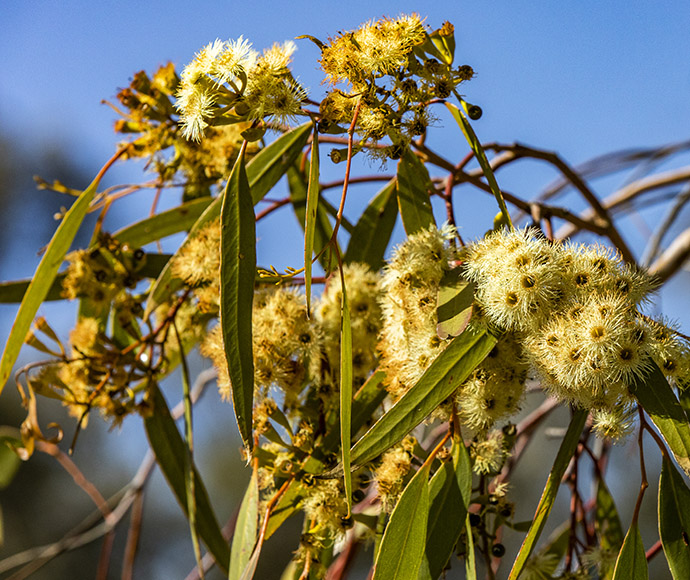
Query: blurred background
{"x": 581, "y": 79}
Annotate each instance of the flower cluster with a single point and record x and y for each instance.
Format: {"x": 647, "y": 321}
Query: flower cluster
{"x": 575, "y": 309}
{"x": 410, "y": 340}
{"x": 393, "y": 67}
{"x": 228, "y": 82}
{"x": 149, "y": 114}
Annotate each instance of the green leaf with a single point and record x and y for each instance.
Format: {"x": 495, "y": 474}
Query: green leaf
{"x": 12, "y": 292}
{"x": 9, "y": 460}
{"x": 367, "y": 399}
{"x": 373, "y": 231}
{"x": 607, "y": 521}
{"x": 449, "y": 495}
{"x": 237, "y": 273}
{"x": 470, "y": 564}
{"x": 166, "y": 223}
{"x": 454, "y": 306}
{"x": 288, "y": 505}
{"x": 402, "y": 546}
{"x": 548, "y": 497}
{"x": 246, "y": 528}
{"x": 43, "y": 278}
{"x": 414, "y": 191}
{"x": 346, "y": 394}
{"x": 632, "y": 563}
{"x": 263, "y": 172}
{"x": 674, "y": 520}
{"x": 171, "y": 451}
{"x": 476, "y": 146}
{"x": 322, "y": 227}
{"x": 272, "y": 162}
{"x": 657, "y": 398}
{"x": 311, "y": 214}
{"x": 444, "y": 375}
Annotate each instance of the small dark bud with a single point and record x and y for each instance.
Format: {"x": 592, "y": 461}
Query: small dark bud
{"x": 498, "y": 550}
{"x": 474, "y": 112}
{"x": 475, "y": 520}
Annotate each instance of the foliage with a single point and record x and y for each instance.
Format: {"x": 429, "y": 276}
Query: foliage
{"x": 384, "y": 409}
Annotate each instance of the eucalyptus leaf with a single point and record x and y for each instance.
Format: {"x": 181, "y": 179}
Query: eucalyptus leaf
{"x": 246, "y": 528}
{"x": 311, "y": 214}
{"x": 632, "y": 563}
{"x": 450, "y": 490}
{"x": 657, "y": 398}
{"x": 479, "y": 153}
{"x": 674, "y": 520}
{"x": 346, "y": 394}
{"x": 373, "y": 231}
{"x": 607, "y": 521}
{"x": 454, "y": 306}
{"x": 322, "y": 227}
{"x": 166, "y": 223}
{"x": 43, "y": 278}
{"x": 445, "y": 374}
{"x": 263, "y": 171}
{"x": 237, "y": 273}
{"x": 402, "y": 546}
{"x": 548, "y": 497}
{"x": 414, "y": 191}
{"x": 171, "y": 452}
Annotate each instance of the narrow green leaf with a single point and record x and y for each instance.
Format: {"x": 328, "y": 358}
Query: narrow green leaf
{"x": 311, "y": 215}
{"x": 189, "y": 471}
{"x": 444, "y": 375}
{"x": 43, "y": 279}
{"x": 288, "y": 505}
{"x": 454, "y": 306}
{"x": 632, "y": 563}
{"x": 166, "y": 223}
{"x": 12, "y": 292}
{"x": 450, "y": 490}
{"x": 272, "y": 162}
{"x": 322, "y": 227}
{"x": 346, "y": 394}
{"x": 402, "y": 546}
{"x": 246, "y": 528}
{"x": 364, "y": 404}
{"x": 9, "y": 460}
{"x": 237, "y": 273}
{"x": 166, "y": 442}
{"x": 607, "y": 521}
{"x": 470, "y": 564}
{"x": 548, "y": 497}
{"x": 367, "y": 399}
{"x": 657, "y": 398}
{"x": 674, "y": 520}
{"x": 263, "y": 172}
{"x": 373, "y": 231}
{"x": 414, "y": 193}
{"x": 476, "y": 146}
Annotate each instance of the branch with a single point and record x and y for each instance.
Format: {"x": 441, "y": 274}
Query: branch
{"x": 673, "y": 258}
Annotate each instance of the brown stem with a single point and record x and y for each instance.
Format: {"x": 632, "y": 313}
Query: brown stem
{"x": 135, "y": 521}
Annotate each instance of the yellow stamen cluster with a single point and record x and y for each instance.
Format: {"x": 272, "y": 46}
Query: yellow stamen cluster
{"x": 362, "y": 292}
{"x": 393, "y": 71}
{"x": 576, "y": 309}
{"x": 228, "y": 82}
{"x": 409, "y": 341}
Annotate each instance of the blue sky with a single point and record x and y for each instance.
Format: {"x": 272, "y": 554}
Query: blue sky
{"x": 581, "y": 77}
